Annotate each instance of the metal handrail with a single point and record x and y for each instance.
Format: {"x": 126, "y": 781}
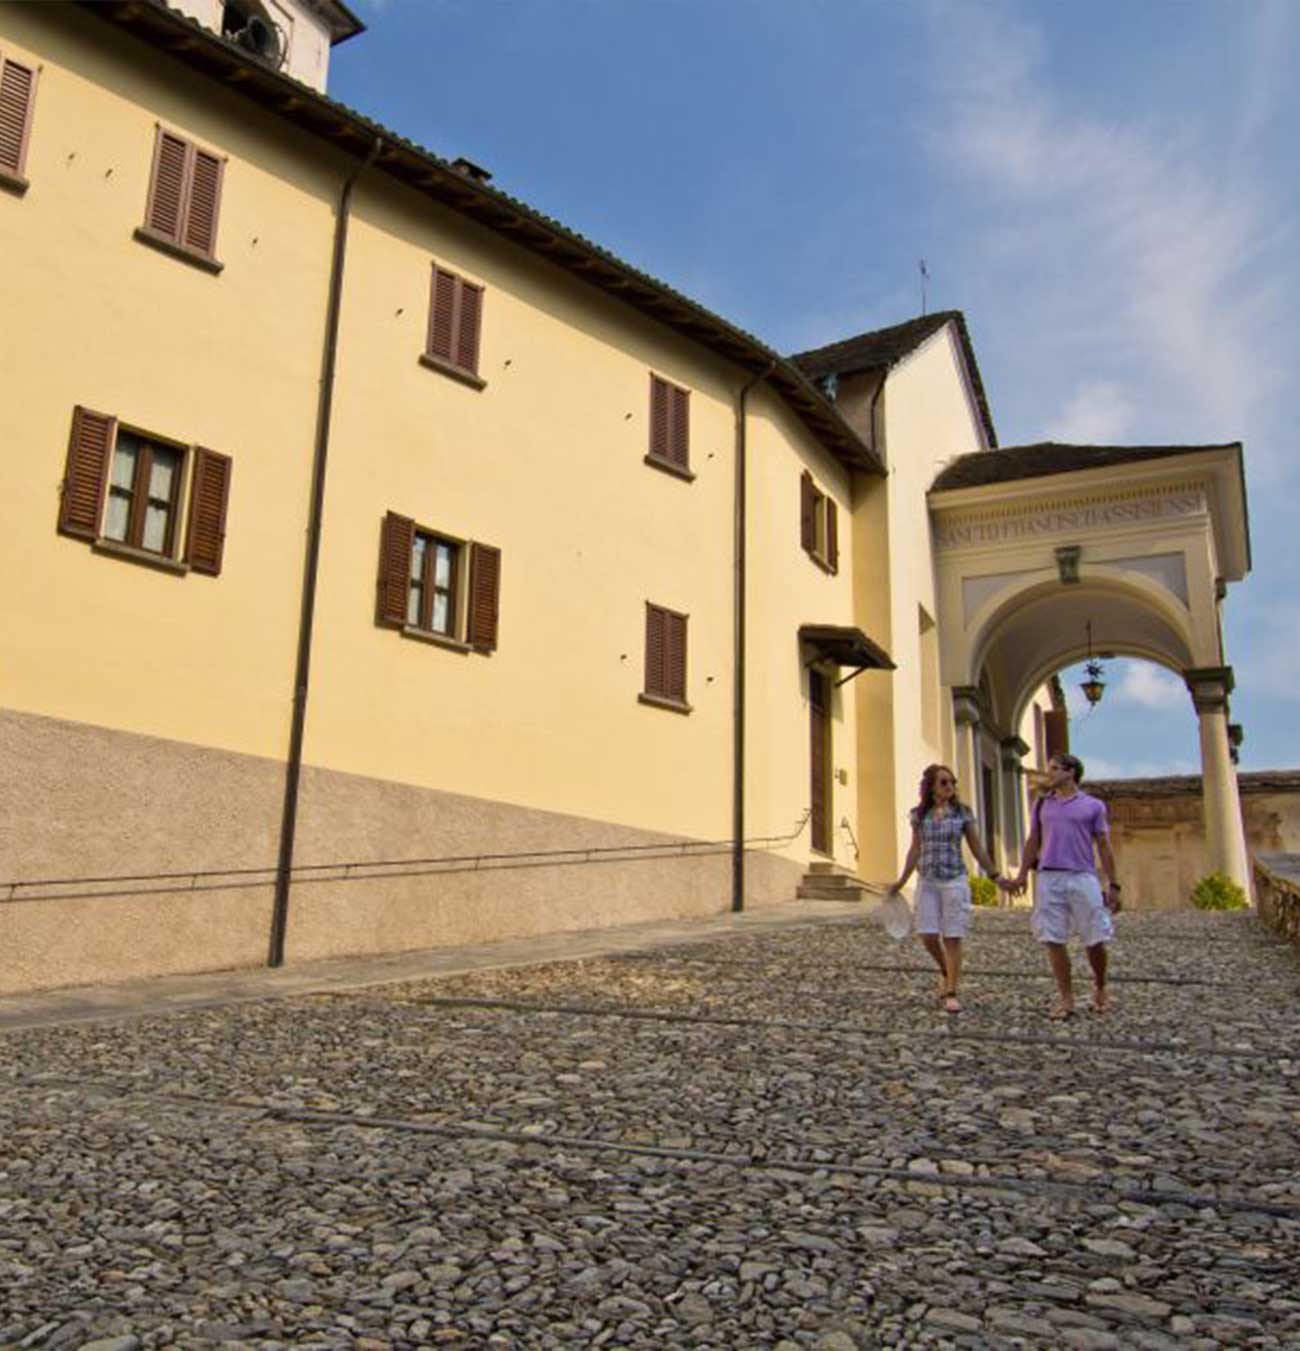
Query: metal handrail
{"x": 363, "y": 869}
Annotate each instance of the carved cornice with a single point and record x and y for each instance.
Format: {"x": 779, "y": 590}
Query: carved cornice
{"x": 1068, "y": 515}
{"x": 1210, "y": 687}
{"x": 969, "y": 707}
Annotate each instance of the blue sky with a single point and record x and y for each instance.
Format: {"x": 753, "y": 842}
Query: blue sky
{"x": 1107, "y": 190}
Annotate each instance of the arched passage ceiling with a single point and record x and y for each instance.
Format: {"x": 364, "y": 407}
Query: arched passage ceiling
{"x": 1039, "y": 636}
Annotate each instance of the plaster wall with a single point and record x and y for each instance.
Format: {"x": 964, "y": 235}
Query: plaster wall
{"x": 786, "y": 589}
{"x": 873, "y": 691}
{"x": 928, "y": 417}
{"x": 95, "y": 317}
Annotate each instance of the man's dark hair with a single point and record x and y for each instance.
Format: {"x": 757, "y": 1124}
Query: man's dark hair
{"x": 1072, "y": 763}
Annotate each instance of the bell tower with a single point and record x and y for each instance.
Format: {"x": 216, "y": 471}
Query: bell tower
{"x": 293, "y": 36}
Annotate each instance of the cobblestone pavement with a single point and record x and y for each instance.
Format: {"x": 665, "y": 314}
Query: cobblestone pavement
{"x": 764, "y": 1139}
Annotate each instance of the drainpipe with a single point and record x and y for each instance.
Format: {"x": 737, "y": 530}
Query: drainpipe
{"x": 311, "y": 562}
{"x": 738, "y": 716}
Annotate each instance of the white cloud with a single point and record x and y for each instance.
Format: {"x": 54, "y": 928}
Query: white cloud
{"x": 1274, "y": 665}
{"x": 1099, "y": 767}
{"x": 1152, "y": 687}
{"x": 1098, "y": 413}
{"x": 1140, "y": 278}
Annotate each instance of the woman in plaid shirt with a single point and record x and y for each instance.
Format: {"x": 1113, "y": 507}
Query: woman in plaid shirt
{"x": 939, "y": 824}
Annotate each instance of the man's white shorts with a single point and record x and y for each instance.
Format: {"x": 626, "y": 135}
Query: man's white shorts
{"x": 943, "y": 907}
{"x": 1068, "y": 903}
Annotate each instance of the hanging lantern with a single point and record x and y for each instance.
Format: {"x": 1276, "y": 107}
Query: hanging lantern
{"x": 1094, "y": 686}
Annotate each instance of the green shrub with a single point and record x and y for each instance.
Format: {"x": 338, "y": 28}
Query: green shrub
{"x": 1216, "y": 892}
{"x": 984, "y": 891}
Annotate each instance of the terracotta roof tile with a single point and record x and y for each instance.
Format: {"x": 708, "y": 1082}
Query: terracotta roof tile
{"x": 884, "y": 347}
{"x": 1048, "y": 457}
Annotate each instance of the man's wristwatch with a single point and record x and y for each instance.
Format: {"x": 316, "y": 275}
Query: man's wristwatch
{"x": 1114, "y": 886}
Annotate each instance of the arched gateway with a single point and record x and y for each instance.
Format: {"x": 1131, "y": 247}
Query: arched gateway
{"x": 1038, "y": 547}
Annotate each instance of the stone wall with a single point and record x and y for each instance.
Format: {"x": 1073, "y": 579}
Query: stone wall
{"x": 1158, "y": 832}
{"x": 1277, "y": 894}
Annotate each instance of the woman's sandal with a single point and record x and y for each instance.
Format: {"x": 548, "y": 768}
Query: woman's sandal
{"x": 951, "y": 1004}
{"x": 1060, "y": 1014}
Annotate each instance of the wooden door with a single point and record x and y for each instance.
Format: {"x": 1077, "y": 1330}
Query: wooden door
{"x": 820, "y": 728}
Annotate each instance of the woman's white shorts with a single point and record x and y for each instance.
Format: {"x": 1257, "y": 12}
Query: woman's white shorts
{"x": 1066, "y": 903}
{"x": 943, "y": 907}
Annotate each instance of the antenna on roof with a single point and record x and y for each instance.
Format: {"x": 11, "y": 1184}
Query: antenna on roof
{"x": 925, "y": 277}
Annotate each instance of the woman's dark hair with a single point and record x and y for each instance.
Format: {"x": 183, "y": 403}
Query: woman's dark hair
{"x": 930, "y": 774}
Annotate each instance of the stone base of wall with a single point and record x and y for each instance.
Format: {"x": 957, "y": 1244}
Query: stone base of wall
{"x": 83, "y": 803}
{"x": 1277, "y": 894}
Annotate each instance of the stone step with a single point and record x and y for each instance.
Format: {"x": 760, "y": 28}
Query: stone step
{"x": 828, "y": 882}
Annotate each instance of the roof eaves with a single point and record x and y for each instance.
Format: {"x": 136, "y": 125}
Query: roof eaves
{"x": 154, "y": 21}
{"x": 883, "y": 349}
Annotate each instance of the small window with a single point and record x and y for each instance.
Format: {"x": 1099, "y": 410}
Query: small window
{"x": 123, "y": 492}
{"x": 670, "y": 427}
{"x": 665, "y": 658}
{"x": 435, "y": 569}
{"x": 143, "y": 494}
{"x": 818, "y": 525}
{"x": 455, "y": 321}
{"x": 434, "y": 586}
{"x": 184, "y": 200}
{"x": 17, "y": 99}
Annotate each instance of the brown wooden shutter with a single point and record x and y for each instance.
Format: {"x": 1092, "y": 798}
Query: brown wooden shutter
{"x": 675, "y": 656}
{"x": 654, "y": 649}
{"x": 1056, "y": 729}
{"x": 659, "y": 415}
{"x": 484, "y": 596}
{"x": 171, "y": 162}
{"x": 85, "y": 479}
{"x": 205, "y": 540}
{"x": 395, "y": 545}
{"x": 679, "y": 436}
{"x": 807, "y": 512}
{"x": 442, "y": 304}
{"x": 468, "y": 324}
{"x": 832, "y": 536}
{"x": 204, "y": 200}
{"x": 17, "y": 90}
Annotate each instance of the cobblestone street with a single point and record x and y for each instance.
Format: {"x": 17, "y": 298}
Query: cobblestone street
{"x": 769, "y": 1137}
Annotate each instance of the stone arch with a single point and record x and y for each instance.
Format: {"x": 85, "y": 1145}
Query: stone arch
{"x": 1034, "y": 543}
{"x": 1023, "y": 637}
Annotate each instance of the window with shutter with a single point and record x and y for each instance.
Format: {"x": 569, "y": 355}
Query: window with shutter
{"x": 426, "y": 590}
{"x": 670, "y": 422}
{"x": 665, "y": 659}
{"x": 209, "y": 496}
{"x": 122, "y": 492}
{"x": 818, "y": 524}
{"x": 455, "y": 323}
{"x": 184, "y": 201}
{"x": 17, "y": 99}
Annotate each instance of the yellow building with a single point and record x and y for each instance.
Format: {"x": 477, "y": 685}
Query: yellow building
{"x": 386, "y": 566}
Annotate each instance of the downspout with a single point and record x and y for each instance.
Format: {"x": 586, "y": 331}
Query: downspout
{"x": 311, "y": 562}
{"x": 738, "y": 715}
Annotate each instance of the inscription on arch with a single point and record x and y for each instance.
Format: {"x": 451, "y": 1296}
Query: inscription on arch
{"x": 1068, "y": 518}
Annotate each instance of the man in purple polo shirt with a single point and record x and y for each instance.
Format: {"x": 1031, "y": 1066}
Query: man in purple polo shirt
{"x": 1066, "y": 825}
